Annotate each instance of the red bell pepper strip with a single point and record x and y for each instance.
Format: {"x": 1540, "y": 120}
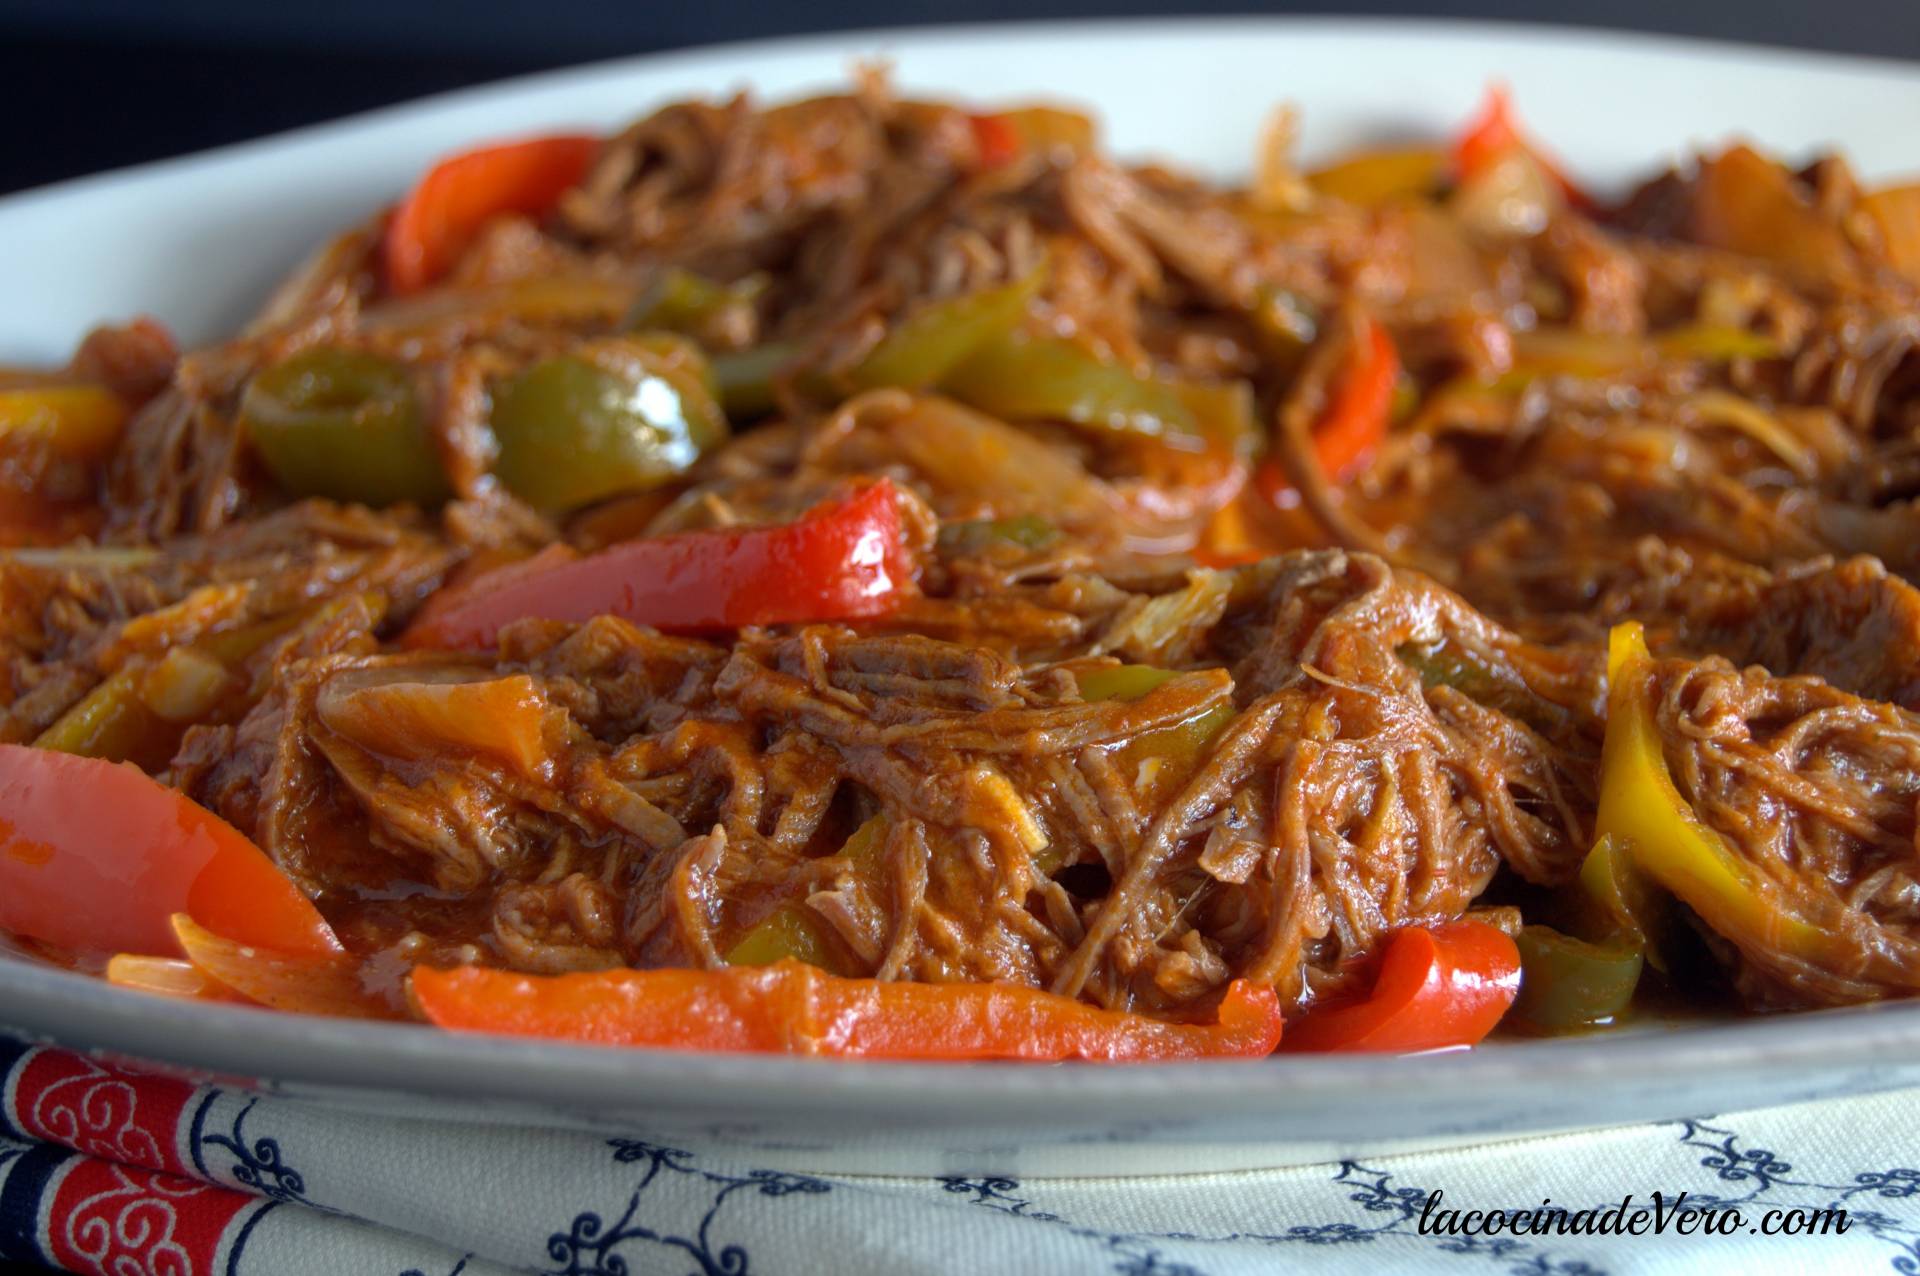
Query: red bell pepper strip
{"x": 1493, "y": 133}
{"x": 1438, "y": 987}
{"x": 95, "y": 857}
{"x": 441, "y": 215}
{"x": 793, "y": 1008}
{"x": 839, "y": 560}
{"x": 1355, "y": 420}
{"x": 997, "y": 139}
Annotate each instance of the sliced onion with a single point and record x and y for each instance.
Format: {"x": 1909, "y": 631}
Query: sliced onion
{"x": 168, "y": 977}
{"x": 304, "y": 985}
{"x": 1510, "y": 197}
{"x": 1717, "y": 407}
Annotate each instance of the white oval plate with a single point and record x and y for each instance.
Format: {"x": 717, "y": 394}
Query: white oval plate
{"x": 198, "y": 242}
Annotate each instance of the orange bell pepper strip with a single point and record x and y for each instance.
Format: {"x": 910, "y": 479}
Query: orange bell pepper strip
{"x": 1355, "y": 420}
{"x": 1493, "y": 133}
{"x": 95, "y": 857}
{"x": 793, "y": 1008}
{"x": 1438, "y": 987}
{"x": 1896, "y": 210}
{"x": 839, "y": 560}
{"x": 997, "y": 139}
{"x": 440, "y": 216}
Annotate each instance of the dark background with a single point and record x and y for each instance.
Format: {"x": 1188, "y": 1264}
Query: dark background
{"x": 98, "y": 83}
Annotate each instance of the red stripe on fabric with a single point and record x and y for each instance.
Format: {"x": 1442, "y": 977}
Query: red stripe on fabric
{"x": 105, "y": 1112}
{"x": 107, "y": 1218}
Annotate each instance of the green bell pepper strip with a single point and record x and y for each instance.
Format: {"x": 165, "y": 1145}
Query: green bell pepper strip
{"x": 1225, "y": 414}
{"x": 1622, "y": 902}
{"x": 575, "y": 429}
{"x": 794, "y": 930}
{"x": 1026, "y": 378}
{"x": 1715, "y": 343}
{"x": 1287, "y": 323}
{"x": 744, "y": 380}
{"x": 1160, "y": 758}
{"x": 343, "y": 424}
{"x": 929, "y": 343}
{"x": 681, "y": 301}
{"x": 137, "y": 714}
{"x": 1567, "y": 983}
{"x": 979, "y": 536}
{"x": 113, "y": 722}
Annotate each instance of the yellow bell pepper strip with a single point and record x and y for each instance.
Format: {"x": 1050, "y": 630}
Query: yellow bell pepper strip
{"x": 95, "y": 857}
{"x": 1568, "y": 983}
{"x": 1439, "y": 987}
{"x": 1746, "y": 203}
{"x": 1896, "y": 211}
{"x": 1372, "y": 179}
{"x": 841, "y": 559}
{"x": 1641, "y": 810}
{"x": 930, "y": 342}
{"x": 343, "y": 424}
{"x": 792, "y": 931}
{"x": 575, "y": 429}
{"x": 73, "y": 422}
{"x": 1027, "y": 378}
{"x": 793, "y": 1008}
{"x": 796, "y": 931}
{"x": 51, "y": 439}
{"x": 439, "y": 217}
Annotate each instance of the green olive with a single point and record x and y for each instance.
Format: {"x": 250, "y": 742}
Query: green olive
{"x": 343, "y": 424}
{"x": 620, "y": 417}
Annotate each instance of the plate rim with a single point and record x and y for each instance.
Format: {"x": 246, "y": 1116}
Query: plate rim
{"x": 321, "y": 1051}
{"x": 46, "y": 1001}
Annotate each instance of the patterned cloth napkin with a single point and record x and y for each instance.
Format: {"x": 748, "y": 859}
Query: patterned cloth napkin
{"x": 105, "y": 1170}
